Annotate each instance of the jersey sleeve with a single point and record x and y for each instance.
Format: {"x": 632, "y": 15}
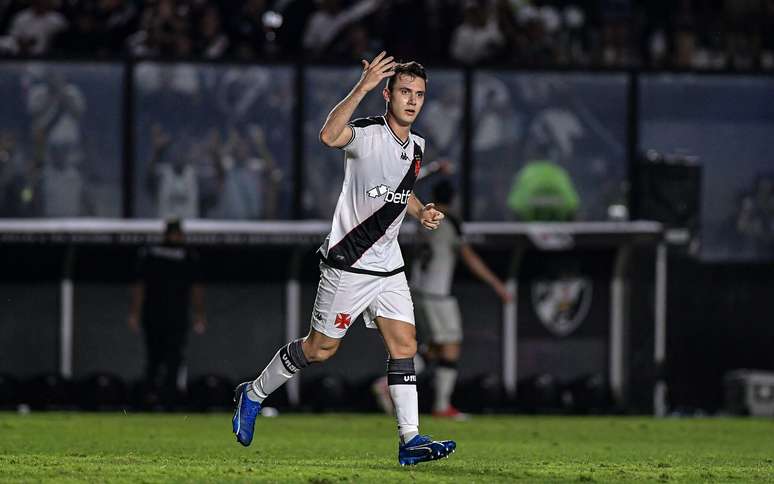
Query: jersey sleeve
{"x": 354, "y": 147}
{"x": 362, "y": 134}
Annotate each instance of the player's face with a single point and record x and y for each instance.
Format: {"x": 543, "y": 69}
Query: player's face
{"x": 406, "y": 98}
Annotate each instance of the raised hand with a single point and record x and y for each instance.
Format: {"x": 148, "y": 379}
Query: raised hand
{"x": 379, "y": 68}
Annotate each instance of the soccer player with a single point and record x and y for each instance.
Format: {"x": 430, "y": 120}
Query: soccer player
{"x": 438, "y": 315}
{"x": 361, "y": 268}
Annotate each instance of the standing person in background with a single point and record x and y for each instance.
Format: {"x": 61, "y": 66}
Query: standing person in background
{"x": 166, "y": 292}
{"x": 439, "y": 322}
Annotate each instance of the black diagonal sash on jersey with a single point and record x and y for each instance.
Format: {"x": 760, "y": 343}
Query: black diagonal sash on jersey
{"x": 361, "y": 238}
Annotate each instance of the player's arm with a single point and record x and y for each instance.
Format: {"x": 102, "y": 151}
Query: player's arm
{"x": 335, "y": 132}
{"x": 478, "y": 267}
{"x": 135, "y": 306}
{"x": 428, "y": 216}
{"x": 197, "y": 301}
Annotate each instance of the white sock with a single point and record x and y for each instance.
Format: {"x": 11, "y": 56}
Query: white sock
{"x": 286, "y": 363}
{"x": 445, "y": 378}
{"x": 402, "y": 382}
{"x": 406, "y": 410}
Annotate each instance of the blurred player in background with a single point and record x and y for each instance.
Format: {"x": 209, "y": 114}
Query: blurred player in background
{"x": 165, "y": 295}
{"x": 439, "y": 322}
{"x": 361, "y": 269}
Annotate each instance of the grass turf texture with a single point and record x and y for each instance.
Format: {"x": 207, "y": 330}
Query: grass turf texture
{"x": 70, "y": 447}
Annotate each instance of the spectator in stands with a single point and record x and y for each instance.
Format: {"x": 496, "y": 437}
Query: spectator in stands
{"x": 212, "y": 42}
{"x": 168, "y": 290}
{"x": 239, "y": 181}
{"x": 19, "y": 190}
{"x": 359, "y": 44}
{"x": 160, "y": 26}
{"x": 248, "y": 29}
{"x": 114, "y": 21}
{"x": 479, "y": 38}
{"x": 755, "y": 219}
{"x": 171, "y": 179}
{"x": 330, "y": 20}
{"x": 33, "y": 29}
{"x": 56, "y": 108}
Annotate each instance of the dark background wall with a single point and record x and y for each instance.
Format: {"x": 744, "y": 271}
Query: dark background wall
{"x": 719, "y": 319}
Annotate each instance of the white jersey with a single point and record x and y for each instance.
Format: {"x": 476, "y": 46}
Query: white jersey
{"x": 433, "y": 269}
{"x": 379, "y": 178}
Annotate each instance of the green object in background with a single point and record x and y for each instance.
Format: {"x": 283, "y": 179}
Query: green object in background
{"x": 543, "y": 191}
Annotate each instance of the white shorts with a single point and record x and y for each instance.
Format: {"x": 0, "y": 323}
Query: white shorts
{"x": 438, "y": 319}
{"x": 342, "y": 296}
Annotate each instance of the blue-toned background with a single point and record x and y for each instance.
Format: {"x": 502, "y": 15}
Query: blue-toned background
{"x": 60, "y": 139}
{"x": 728, "y": 123}
{"x": 222, "y": 137}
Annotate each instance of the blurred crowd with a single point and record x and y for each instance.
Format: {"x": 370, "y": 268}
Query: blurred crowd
{"x": 686, "y": 34}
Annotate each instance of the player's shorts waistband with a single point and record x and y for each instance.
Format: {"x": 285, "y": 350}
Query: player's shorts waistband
{"x": 342, "y": 267}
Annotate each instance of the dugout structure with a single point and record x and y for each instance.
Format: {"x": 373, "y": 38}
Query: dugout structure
{"x": 604, "y": 258}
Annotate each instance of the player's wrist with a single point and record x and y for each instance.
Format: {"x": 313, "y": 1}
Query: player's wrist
{"x": 360, "y": 90}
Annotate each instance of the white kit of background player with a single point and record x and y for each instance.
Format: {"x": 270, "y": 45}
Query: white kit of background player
{"x": 361, "y": 268}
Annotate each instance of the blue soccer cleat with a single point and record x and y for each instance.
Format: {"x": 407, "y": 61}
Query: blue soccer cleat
{"x": 245, "y": 413}
{"x": 422, "y": 449}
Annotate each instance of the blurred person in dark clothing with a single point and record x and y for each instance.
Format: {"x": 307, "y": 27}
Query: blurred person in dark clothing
{"x": 479, "y": 37}
{"x": 329, "y": 21}
{"x": 212, "y": 41}
{"x": 167, "y": 291}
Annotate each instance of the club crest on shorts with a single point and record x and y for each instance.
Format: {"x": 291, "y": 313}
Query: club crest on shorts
{"x": 562, "y": 303}
{"x": 343, "y": 320}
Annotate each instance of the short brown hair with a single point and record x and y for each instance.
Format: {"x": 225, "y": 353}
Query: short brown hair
{"x": 413, "y": 68}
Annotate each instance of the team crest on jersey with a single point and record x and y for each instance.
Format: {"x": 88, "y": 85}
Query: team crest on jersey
{"x": 390, "y": 195}
{"x": 343, "y": 320}
{"x": 417, "y": 165}
{"x": 562, "y": 304}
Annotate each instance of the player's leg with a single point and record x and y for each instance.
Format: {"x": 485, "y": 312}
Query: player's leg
{"x": 154, "y": 351}
{"x": 289, "y": 360}
{"x": 286, "y": 363}
{"x": 445, "y": 379}
{"x": 400, "y": 340}
{"x": 446, "y": 323}
{"x": 393, "y": 314}
{"x": 174, "y": 347}
{"x": 334, "y": 309}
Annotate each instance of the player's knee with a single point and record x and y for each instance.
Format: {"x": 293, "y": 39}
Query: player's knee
{"x": 404, "y": 348}
{"x": 317, "y": 353}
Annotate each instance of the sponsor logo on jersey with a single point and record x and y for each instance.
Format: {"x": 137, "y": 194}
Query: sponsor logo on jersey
{"x": 343, "y": 320}
{"x": 317, "y": 315}
{"x": 563, "y": 303}
{"x": 390, "y": 195}
{"x": 403, "y": 156}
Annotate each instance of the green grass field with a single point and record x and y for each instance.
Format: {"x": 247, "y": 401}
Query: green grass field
{"x": 76, "y": 447}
